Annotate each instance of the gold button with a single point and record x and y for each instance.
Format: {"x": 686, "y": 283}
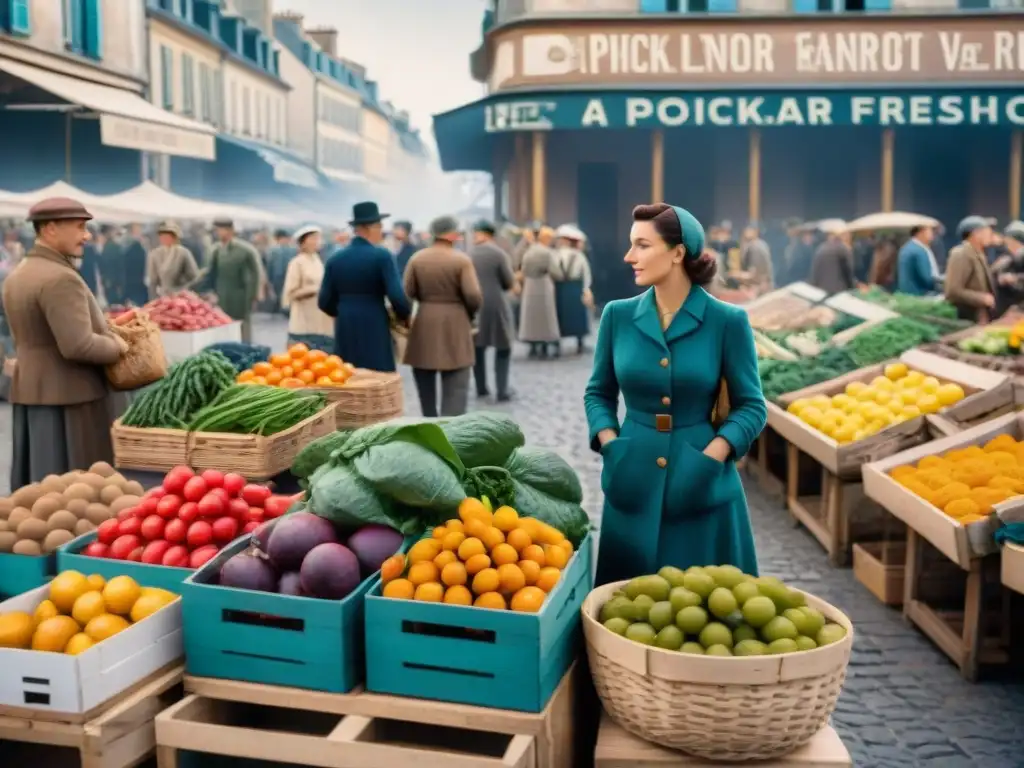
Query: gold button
{"x": 662, "y": 462}
{"x": 664, "y": 362}
{"x": 666, "y": 400}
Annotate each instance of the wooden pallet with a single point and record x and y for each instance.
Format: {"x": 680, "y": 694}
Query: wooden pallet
{"x": 121, "y": 735}
{"x": 363, "y": 730}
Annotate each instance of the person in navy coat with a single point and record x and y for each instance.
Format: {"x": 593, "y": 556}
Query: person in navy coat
{"x": 917, "y": 272}
{"x": 357, "y": 280}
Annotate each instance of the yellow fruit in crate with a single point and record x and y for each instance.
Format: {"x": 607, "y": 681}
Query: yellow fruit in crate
{"x": 536, "y": 553}
{"x": 445, "y": 557}
{"x": 492, "y": 600}
{"x": 950, "y": 394}
{"x": 510, "y": 578}
{"x": 453, "y": 540}
{"x": 53, "y": 634}
{"x": 882, "y": 396}
{"x": 548, "y": 578}
{"x": 555, "y": 556}
{"x": 910, "y": 412}
{"x": 1001, "y": 459}
{"x": 470, "y": 547}
{"x": 811, "y": 416}
{"x": 425, "y": 550}
{"x": 505, "y": 519}
{"x": 120, "y": 594}
{"x": 454, "y": 574}
{"x": 96, "y": 582}
{"x": 78, "y": 643}
{"x": 909, "y": 396}
{"x": 439, "y": 532}
{"x": 913, "y": 378}
{"x": 855, "y": 420}
{"x": 16, "y": 629}
{"x": 1001, "y": 443}
{"x": 968, "y": 519}
{"x": 401, "y": 589}
{"x": 492, "y": 537}
{"x": 477, "y": 563}
{"x": 843, "y": 402}
{"x": 149, "y": 603}
{"x": 928, "y": 404}
{"x": 431, "y": 592}
{"x": 106, "y": 625}
{"x": 455, "y": 525}
{"x": 797, "y": 406}
{"x": 548, "y": 534}
{"x": 503, "y": 554}
{"x": 895, "y": 371}
{"x": 45, "y": 610}
{"x": 961, "y": 507}
{"x": 882, "y": 383}
{"x": 422, "y": 572}
{"x": 528, "y": 600}
{"x": 474, "y": 528}
{"x": 518, "y": 539}
{"x": 88, "y": 607}
{"x": 486, "y": 580}
{"x": 895, "y": 406}
{"x": 854, "y": 388}
{"x": 458, "y": 595}
{"x": 474, "y": 508}
{"x": 845, "y": 433}
{"x": 531, "y": 571}
{"x": 67, "y": 587}
{"x": 930, "y": 384}
{"x": 821, "y": 402}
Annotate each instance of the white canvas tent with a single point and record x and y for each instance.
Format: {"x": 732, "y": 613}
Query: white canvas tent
{"x": 18, "y": 203}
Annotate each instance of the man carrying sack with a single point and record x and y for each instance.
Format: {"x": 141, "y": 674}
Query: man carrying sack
{"x": 60, "y": 400}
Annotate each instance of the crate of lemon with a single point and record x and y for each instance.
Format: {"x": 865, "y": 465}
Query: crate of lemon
{"x": 484, "y": 611}
{"x": 948, "y": 490}
{"x": 878, "y": 411}
{"x": 71, "y": 645}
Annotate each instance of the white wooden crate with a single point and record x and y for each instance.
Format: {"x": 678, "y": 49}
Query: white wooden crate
{"x": 181, "y": 344}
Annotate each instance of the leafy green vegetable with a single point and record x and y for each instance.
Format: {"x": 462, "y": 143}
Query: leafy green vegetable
{"x": 426, "y": 434}
{"x": 188, "y": 387}
{"x": 546, "y": 471}
{"x": 410, "y": 473}
{"x": 317, "y": 453}
{"x": 483, "y": 439}
{"x": 493, "y": 482}
{"x": 779, "y": 377}
{"x": 340, "y": 495}
{"x": 567, "y": 517}
{"x": 888, "y": 340}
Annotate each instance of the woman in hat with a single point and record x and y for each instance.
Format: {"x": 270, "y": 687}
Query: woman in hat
{"x": 672, "y": 492}
{"x": 306, "y": 323}
{"x": 573, "y": 298}
{"x": 170, "y": 267}
{"x": 538, "y": 313}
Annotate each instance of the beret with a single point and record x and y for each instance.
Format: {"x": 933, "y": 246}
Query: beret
{"x": 59, "y": 209}
{"x": 970, "y": 224}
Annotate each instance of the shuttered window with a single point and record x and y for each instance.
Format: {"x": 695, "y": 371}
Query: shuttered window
{"x": 167, "y": 76}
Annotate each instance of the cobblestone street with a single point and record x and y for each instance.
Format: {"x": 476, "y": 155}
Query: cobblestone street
{"x": 904, "y": 703}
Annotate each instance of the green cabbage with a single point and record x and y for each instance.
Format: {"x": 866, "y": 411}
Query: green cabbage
{"x": 566, "y": 516}
{"x": 483, "y": 439}
{"x": 546, "y": 471}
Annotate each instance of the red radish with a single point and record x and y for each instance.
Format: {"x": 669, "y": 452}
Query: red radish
{"x": 135, "y": 556}
{"x": 107, "y": 531}
{"x": 175, "y": 531}
{"x": 238, "y": 509}
{"x": 233, "y": 483}
{"x": 175, "y": 557}
{"x": 130, "y": 527}
{"x": 255, "y": 494}
{"x": 153, "y": 528}
{"x": 189, "y": 512}
{"x": 168, "y": 506}
{"x": 211, "y": 505}
{"x": 195, "y": 489}
{"x": 213, "y": 478}
{"x": 200, "y": 533}
{"x": 250, "y": 527}
{"x": 225, "y": 529}
{"x": 155, "y": 551}
{"x": 123, "y": 546}
{"x": 97, "y": 549}
{"x": 175, "y": 480}
{"x": 256, "y": 515}
{"x": 202, "y": 556}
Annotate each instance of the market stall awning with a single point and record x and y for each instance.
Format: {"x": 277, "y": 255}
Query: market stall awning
{"x": 288, "y": 168}
{"x": 463, "y": 141}
{"x": 152, "y": 202}
{"x": 16, "y": 204}
{"x": 126, "y": 119}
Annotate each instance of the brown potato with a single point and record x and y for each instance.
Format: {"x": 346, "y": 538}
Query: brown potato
{"x": 77, "y": 507}
{"x": 32, "y": 528}
{"x": 56, "y": 539}
{"x": 110, "y": 493}
{"x": 7, "y": 541}
{"x": 62, "y": 520}
{"x": 27, "y": 547}
{"x": 83, "y": 526}
{"x": 124, "y": 502}
{"x": 53, "y": 484}
{"x": 4, "y": 526}
{"x": 46, "y": 506}
{"x": 27, "y": 496}
{"x": 82, "y": 491}
{"x": 102, "y": 469}
{"x": 134, "y": 488}
{"x": 70, "y": 478}
{"x": 6, "y": 505}
{"x": 96, "y": 513}
{"x": 91, "y": 478}
{"x": 17, "y": 516}
{"x": 117, "y": 479}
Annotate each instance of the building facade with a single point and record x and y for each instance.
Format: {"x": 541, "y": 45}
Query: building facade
{"x": 743, "y": 110}
{"x": 73, "y": 76}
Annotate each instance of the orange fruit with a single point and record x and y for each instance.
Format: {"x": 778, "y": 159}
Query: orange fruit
{"x": 262, "y": 369}
{"x": 392, "y": 568}
{"x": 458, "y": 595}
{"x": 53, "y": 634}
{"x": 298, "y": 365}
{"x": 298, "y": 350}
{"x": 16, "y": 630}
{"x": 422, "y": 572}
{"x": 477, "y": 563}
{"x": 445, "y": 557}
{"x": 486, "y": 580}
{"x": 245, "y": 376}
{"x": 470, "y": 508}
{"x": 287, "y": 372}
{"x": 151, "y": 602}
{"x": 490, "y": 600}
{"x": 492, "y": 537}
{"x": 120, "y": 594}
{"x": 96, "y": 582}
{"x": 455, "y": 525}
{"x": 338, "y": 376}
{"x": 475, "y": 527}
{"x": 555, "y": 556}
{"x": 528, "y": 600}
{"x": 470, "y": 547}
{"x": 505, "y": 519}
{"x": 274, "y": 378}
{"x": 440, "y": 531}
{"x": 334, "y": 362}
{"x": 504, "y": 554}
{"x": 45, "y": 610}
{"x": 511, "y": 577}
{"x": 67, "y": 587}
{"x": 454, "y": 574}
{"x": 453, "y": 540}
{"x": 105, "y": 625}
{"x": 548, "y": 534}
{"x": 292, "y": 383}
{"x": 424, "y": 549}
{"x": 280, "y": 360}
{"x": 306, "y": 377}
{"x": 78, "y": 643}
{"x": 566, "y": 545}
{"x": 548, "y": 578}
{"x": 430, "y": 592}
{"x": 401, "y": 589}
{"x": 535, "y": 553}
{"x": 316, "y": 356}
{"x": 531, "y": 571}
{"x": 318, "y": 369}
{"x": 519, "y": 539}
{"x": 258, "y": 380}
{"x": 324, "y": 381}
{"x": 531, "y": 526}
{"x": 87, "y": 607}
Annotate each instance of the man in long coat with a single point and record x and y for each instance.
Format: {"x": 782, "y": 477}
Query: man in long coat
{"x": 494, "y": 321}
{"x": 357, "y": 281}
{"x": 969, "y": 282}
{"x": 170, "y": 267}
{"x": 236, "y": 274}
{"x": 61, "y": 409}
{"x": 832, "y": 268}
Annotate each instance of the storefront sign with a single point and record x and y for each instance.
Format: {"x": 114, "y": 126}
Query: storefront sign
{"x": 118, "y": 131}
{"x": 700, "y": 53}
{"x": 674, "y": 110}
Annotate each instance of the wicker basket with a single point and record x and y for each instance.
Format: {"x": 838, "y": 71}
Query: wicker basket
{"x": 368, "y": 397}
{"x": 723, "y": 709}
{"x": 257, "y": 457}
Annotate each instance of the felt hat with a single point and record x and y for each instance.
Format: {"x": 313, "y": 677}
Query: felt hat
{"x": 59, "y": 209}
{"x": 970, "y": 224}
{"x": 483, "y": 225}
{"x": 366, "y": 213}
{"x": 223, "y": 222}
{"x": 570, "y": 232}
{"x": 693, "y": 232}
{"x": 305, "y": 231}
{"x": 169, "y": 228}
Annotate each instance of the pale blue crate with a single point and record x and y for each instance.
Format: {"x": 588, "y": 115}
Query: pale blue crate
{"x": 22, "y": 573}
{"x": 478, "y": 656}
{"x": 70, "y": 557}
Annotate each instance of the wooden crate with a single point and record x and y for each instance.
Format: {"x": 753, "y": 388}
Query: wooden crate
{"x": 1012, "y": 567}
{"x": 257, "y": 457}
{"x": 368, "y": 397}
{"x": 618, "y": 748}
{"x": 120, "y": 735}
{"x": 880, "y": 566}
{"x": 363, "y": 730}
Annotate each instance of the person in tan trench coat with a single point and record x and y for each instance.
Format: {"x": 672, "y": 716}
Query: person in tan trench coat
{"x": 445, "y": 284}
{"x": 61, "y": 407}
{"x": 969, "y": 284}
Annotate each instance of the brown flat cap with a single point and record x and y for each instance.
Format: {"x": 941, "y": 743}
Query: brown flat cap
{"x": 58, "y": 209}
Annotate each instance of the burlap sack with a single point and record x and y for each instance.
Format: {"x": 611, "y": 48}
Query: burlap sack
{"x": 145, "y": 361}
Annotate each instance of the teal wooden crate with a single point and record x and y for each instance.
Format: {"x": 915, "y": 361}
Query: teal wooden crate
{"x": 260, "y": 637}
{"x": 21, "y": 573}
{"x": 69, "y": 557}
{"x": 478, "y": 656}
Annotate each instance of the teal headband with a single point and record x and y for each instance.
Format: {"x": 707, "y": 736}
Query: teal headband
{"x": 693, "y": 233}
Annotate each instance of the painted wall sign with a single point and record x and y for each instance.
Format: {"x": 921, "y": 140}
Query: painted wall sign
{"x": 700, "y": 53}
{"x": 574, "y": 111}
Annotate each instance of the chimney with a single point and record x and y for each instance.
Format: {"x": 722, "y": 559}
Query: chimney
{"x": 326, "y": 38}
{"x": 291, "y": 17}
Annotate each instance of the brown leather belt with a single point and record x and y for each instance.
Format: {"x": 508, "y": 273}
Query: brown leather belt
{"x": 662, "y": 422}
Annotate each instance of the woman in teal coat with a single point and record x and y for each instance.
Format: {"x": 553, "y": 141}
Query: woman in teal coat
{"x": 672, "y": 492}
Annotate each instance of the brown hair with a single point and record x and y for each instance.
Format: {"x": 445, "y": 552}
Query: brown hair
{"x": 699, "y": 267}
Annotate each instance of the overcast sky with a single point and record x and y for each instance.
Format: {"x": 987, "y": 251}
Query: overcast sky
{"x": 417, "y": 50}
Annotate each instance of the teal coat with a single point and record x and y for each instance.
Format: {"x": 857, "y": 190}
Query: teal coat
{"x": 666, "y": 503}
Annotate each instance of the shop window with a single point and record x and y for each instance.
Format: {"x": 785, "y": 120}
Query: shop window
{"x": 853, "y": 6}
{"x": 82, "y": 25}
{"x": 188, "y": 85}
{"x": 654, "y": 6}
{"x": 15, "y": 17}
{"x": 696, "y": 6}
{"x": 167, "y": 77}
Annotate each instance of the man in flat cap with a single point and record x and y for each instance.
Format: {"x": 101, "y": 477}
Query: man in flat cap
{"x": 357, "y": 281}
{"x": 236, "y": 275}
{"x": 494, "y": 323}
{"x": 170, "y": 267}
{"x": 61, "y": 409}
{"x": 442, "y": 279}
{"x": 969, "y": 283}
{"x": 1008, "y": 269}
